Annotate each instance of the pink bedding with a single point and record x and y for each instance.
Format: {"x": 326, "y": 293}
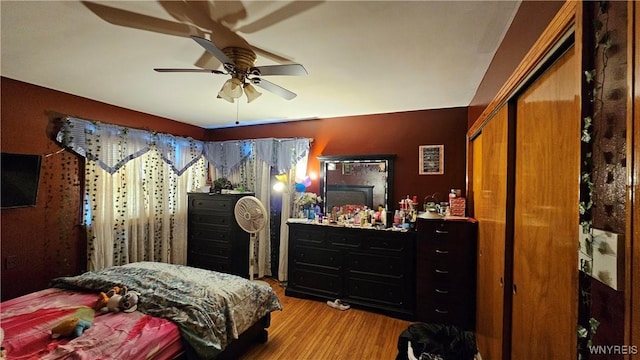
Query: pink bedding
{"x": 27, "y": 322}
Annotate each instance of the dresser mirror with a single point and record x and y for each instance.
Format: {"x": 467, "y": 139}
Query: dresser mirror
{"x": 360, "y": 180}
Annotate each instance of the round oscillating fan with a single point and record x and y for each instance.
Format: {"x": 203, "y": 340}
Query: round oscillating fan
{"x": 252, "y": 217}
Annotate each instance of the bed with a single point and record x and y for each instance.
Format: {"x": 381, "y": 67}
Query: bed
{"x": 183, "y": 312}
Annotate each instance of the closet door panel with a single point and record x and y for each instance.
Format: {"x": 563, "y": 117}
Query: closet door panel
{"x": 547, "y": 182}
{"x": 490, "y": 189}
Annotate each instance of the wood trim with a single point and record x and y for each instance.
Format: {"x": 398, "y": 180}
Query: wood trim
{"x": 632, "y": 297}
{"x": 491, "y": 183}
{"x": 557, "y": 29}
{"x": 545, "y": 278}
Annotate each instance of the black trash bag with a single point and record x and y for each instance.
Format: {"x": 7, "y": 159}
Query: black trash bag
{"x": 437, "y": 341}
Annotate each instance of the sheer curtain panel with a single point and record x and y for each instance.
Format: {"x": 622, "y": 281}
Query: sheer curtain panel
{"x": 136, "y": 185}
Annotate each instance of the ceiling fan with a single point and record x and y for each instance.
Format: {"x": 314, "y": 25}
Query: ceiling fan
{"x": 239, "y": 63}
{"x": 219, "y": 21}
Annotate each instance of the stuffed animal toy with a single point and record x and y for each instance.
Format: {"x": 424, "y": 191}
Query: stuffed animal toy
{"x": 129, "y": 302}
{"x": 103, "y": 299}
{"x": 74, "y": 325}
{"x": 118, "y": 299}
{"x": 71, "y": 327}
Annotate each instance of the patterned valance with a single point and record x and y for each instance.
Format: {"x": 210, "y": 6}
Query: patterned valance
{"x": 111, "y": 146}
{"x": 281, "y": 154}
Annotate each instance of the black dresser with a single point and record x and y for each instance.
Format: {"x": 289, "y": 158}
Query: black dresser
{"x": 446, "y": 272}
{"x": 215, "y": 241}
{"x": 371, "y": 269}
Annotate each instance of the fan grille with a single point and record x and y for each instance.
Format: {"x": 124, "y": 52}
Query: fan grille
{"x": 250, "y": 214}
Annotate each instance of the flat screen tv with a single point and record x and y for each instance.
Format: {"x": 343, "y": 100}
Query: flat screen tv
{"x": 20, "y": 179}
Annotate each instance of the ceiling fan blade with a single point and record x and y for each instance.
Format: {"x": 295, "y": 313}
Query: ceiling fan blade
{"x": 271, "y": 55}
{"x": 133, "y": 20}
{"x": 276, "y": 89}
{"x": 207, "y": 61}
{"x": 190, "y": 70}
{"x": 286, "y": 69}
{"x": 189, "y": 11}
{"x": 210, "y": 47}
{"x": 228, "y": 13}
{"x": 285, "y": 12}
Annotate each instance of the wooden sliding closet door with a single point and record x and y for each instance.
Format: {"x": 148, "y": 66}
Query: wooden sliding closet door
{"x": 490, "y": 194}
{"x": 547, "y": 181}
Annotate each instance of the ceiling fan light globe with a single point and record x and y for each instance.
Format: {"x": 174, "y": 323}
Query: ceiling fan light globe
{"x": 251, "y": 93}
{"x": 232, "y": 88}
{"x": 223, "y": 95}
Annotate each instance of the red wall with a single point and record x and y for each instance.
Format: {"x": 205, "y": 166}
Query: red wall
{"x": 46, "y": 240}
{"x": 530, "y": 21}
{"x": 397, "y": 133}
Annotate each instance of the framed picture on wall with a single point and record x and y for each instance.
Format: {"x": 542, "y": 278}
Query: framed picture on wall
{"x": 347, "y": 169}
{"x": 431, "y": 160}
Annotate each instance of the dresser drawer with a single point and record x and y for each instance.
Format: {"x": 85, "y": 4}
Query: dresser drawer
{"x": 211, "y": 219}
{"x": 208, "y": 261}
{"x": 446, "y": 250}
{"x": 444, "y": 314}
{"x": 442, "y": 292}
{"x": 376, "y": 292}
{"x": 208, "y": 233}
{"x": 429, "y": 274}
{"x": 316, "y": 282}
{"x": 440, "y": 228}
{"x": 387, "y": 244}
{"x": 311, "y": 256}
{"x": 378, "y": 265}
{"x": 211, "y": 203}
{"x": 448, "y": 309}
{"x": 211, "y": 248}
{"x": 346, "y": 238}
{"x": 308, "y": 235}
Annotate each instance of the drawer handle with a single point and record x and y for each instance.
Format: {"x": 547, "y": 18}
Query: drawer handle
{"x": 442, "y": 271}
{"x": 442, "y": 311}
{"x": 441, "y": 231}
{"x": 442, "y": 291}
{"x": 442, "y": 251}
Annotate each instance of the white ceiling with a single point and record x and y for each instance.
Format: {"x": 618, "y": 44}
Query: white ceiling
{"x": 363, "y": 57}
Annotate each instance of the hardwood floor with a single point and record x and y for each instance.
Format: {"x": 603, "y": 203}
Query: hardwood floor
{"x": 309, "y": 329}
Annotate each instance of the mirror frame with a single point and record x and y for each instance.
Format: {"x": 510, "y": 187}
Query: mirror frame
{"x": 325, "y": 159}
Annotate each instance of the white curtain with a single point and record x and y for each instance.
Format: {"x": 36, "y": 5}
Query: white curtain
{"x": 263, "y": 192}
{"x": 136, "y": 185}
{"x": 255, "y": 175}
{"x": 251, "y": 164}
{"x": 140, "y": 212}
{"x": 297, "y": 172}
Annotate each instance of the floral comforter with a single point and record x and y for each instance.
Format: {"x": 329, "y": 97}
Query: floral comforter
{"x": 210, "y": 308}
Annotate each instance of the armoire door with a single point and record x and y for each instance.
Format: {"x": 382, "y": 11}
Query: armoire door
{"x": 547, "y": 182}
{"x": 490, "y": 209}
